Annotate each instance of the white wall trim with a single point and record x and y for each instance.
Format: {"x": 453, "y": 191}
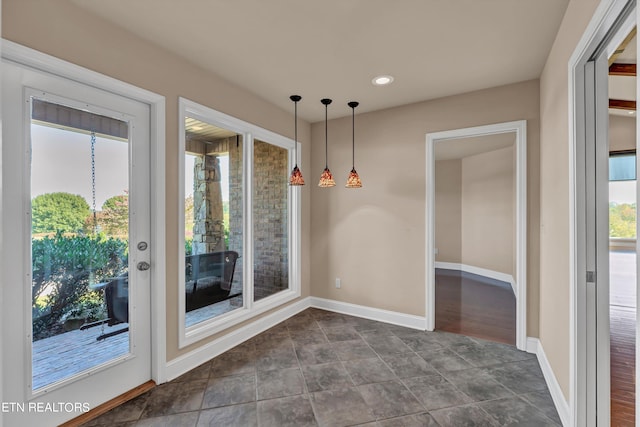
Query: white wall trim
{"x": 562, "y": 406}
{"x": 520, "y": 129}
{"x": 184, "y": 363}
{"x": 380, "y": 315}
{"x": 485, "y": 272}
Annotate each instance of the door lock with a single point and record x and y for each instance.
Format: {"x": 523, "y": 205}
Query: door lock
{"x": 142, "y": 246}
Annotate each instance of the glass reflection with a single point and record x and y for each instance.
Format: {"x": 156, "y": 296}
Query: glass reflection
{"x": 213, "y": 221}
{"x": 270, "y": 220}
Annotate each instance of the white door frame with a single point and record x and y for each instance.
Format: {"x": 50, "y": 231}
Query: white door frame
{"x": 36, "y": 60}
{"x": 520, "y": 129}
{"x": 589, "y": 340}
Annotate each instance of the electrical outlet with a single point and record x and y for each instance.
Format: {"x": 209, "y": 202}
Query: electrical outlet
{"x": 338, "y": 283}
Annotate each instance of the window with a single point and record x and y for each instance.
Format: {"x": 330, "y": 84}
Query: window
{"x": 622, "y": 195}
{"x": 239, "y": 219}
{"x": 622, "y": 166}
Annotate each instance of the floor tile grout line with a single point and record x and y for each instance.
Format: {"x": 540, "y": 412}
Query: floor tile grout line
{"x": 413, "y": 353}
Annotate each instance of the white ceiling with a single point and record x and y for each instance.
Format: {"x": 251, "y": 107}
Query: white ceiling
{"x": 333, "y": 48}
{"x": 470, "y": 146}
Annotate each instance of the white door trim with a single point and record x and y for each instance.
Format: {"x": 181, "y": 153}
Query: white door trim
{"x": 605, "y": 20}
{"x": 520, "y": 129}
{"x": 37, "y": 60}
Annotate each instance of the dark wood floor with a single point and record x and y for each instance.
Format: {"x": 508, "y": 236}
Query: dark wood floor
{"x": 623, "y": 329}
{"x": 471, "y": 305}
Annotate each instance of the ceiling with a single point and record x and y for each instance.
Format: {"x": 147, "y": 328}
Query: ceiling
{"x": 459, "y": 148}
{"x": 197, "y": 129}
{"x": 624, "y": 87}
{"x": 333, "y": 48}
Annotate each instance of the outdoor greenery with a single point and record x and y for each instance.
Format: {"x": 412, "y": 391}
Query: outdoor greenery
{"x": 63, "y": 268}
{"x": 59, "y": 212}
{"x": 72, "y": 249}
{"x": 622, "y": 220}
{"x": 114, "y": 218}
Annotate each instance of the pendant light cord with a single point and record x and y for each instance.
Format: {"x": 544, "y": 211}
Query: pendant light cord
{"x": 295, "y": 108}
{"x": 353, "y": 138}
{"x": 326, "y": 143}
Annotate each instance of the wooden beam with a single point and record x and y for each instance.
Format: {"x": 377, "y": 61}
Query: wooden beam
{"x": 622, "y": 69}
{"x": 621, "y": 104}
{"x": 623, "y": 46}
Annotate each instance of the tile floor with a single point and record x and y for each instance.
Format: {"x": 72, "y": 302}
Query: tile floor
{"x": 320, "y": 368}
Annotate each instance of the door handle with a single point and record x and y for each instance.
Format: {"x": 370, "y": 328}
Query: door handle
{"x": 143, "y": 266}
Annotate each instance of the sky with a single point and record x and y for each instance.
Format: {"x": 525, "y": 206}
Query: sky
{"x": 622, "y": 192}
{"x": 61, "y": 162}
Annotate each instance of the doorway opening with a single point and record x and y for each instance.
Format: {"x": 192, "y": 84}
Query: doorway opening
{"x": 603, "y": 225}
{"x": 497, "y": 197}
{"x": 475, "y": 210}
{"x": 622, "y": 229}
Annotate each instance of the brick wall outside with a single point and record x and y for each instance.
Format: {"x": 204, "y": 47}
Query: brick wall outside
{"x": 270, "y": 219}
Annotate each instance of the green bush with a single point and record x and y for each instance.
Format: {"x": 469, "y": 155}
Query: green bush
{"x": 63, "y": 267}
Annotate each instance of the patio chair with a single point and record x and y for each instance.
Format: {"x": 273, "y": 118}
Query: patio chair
{"x": 209, "y": 278}
{"x": 116, "y": 297}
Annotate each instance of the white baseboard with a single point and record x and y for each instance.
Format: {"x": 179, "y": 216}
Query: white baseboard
{"x": 186, "y": 362}
{"x": 503, "y": 277}
{"x": 562, "y": 406}
{"x": 393, "y": 317}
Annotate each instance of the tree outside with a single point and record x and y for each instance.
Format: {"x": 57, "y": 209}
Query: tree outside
{"x": 114, "y": 217}
{"x": 622, "y": 220}
{"x": 59, "y": 212}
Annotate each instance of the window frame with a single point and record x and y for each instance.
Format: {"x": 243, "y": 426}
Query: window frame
{"x": 250, "y": 308}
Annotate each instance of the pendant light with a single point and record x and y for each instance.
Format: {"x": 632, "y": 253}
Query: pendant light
{"x": 353, "y": 181}
{"x": 296, "y": 175}
{"x": 326, "y": 179}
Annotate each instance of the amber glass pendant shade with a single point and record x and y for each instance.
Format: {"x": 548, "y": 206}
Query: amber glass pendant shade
{"x": 326, "y": 179}
{"x": 296, "y": 178}
{"x": 353, "y": 180}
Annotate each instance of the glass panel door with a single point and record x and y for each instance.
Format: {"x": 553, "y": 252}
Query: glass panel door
{"x": 80, "y": 268}
{"x": 79, "y": 241}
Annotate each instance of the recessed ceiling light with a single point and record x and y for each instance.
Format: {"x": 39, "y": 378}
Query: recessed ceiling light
{"x": 632, "y": 112}
{"x": 382, "y": 80}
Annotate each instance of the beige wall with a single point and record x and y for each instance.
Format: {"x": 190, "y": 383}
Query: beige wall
{"x": 475, "y": 209}
{"x": 554, "y": 191}
{"x": 448, "y": 198}
{"x": 622, "y": 133}
{"x": 488, "y": 210}
{"x": 67, "y": 32}
{"x": 374, "y": 238}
